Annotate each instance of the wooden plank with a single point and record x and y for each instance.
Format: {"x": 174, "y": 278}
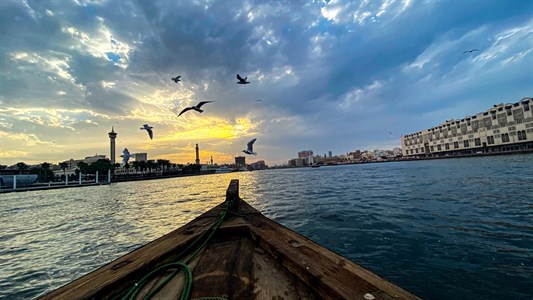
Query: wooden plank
{"x": 232, "y": 194}
{"x": 326, "y": 272}
{"x": 225, "y": 270}
{"x": 273, "y": 281}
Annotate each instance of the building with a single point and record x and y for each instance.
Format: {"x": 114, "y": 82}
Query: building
{"x": 296, "y": 162}
{"x": 112, "y": 137}
{"x": 504, "y": 127}
{"x": 330, "y": 154}
{"x": 258, "y": 165}
{"x": 240, "y": 161}
{"x": 140, "y": 156}
{"x": 305, "y": 153}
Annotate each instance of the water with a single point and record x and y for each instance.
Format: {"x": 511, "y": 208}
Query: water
{"x": 443, "y": 229}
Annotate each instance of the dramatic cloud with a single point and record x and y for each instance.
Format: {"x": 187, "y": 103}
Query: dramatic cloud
{"x": 331, "y": 75}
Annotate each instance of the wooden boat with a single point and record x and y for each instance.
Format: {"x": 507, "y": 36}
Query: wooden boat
{"x": 232, "y": 251}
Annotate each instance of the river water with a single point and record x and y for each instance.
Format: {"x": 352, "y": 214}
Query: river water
{"x": 442, "y": 229}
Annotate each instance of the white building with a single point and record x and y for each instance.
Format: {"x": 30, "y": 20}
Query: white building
{"x": 505, "y": 127}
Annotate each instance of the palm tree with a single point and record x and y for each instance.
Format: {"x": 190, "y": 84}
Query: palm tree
{"x": 47, "y": 173}
{"x": 21, "y": 166}
{"x": 64, "y": 166}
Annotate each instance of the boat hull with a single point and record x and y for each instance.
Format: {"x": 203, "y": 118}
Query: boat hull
{"x": 249, "y": 257}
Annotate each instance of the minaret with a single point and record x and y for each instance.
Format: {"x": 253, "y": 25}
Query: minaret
{"x": 197, "y": 155}
{"x": 211, "y": 159}
{"x": 112, "y": 136}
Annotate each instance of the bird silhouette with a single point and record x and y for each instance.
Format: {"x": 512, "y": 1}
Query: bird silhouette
{"x": 242, "y": 80}
{"x": 470, "y": 51}
{"x": 195, "y": 107}
{"x": 259, "y": 100}
{"x": 250, "y": 147}
{"x": 126, "y": 156}
{"x": 177, "y": 79}
{"x": 149, "y": 130}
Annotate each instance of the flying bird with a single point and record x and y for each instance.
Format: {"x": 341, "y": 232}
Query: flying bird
{"x": 250, "y": 149}
{"x": 470, "y": 51}
{"x": 242, "y": 80}
{"x": 259, "y": 100}
{"x": 126, "y": 156}
{"x": 196, "y": 107}
{"x": 177, "y": 79}
{"x": 149, "y": 130}
{"x": 390, "y": 134}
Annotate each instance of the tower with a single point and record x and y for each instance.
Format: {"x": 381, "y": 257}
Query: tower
{"x": 112, "y": 136}
{"x": 197, "y": 155}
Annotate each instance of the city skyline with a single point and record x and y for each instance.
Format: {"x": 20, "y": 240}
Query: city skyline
{"x": 332, "y": 76}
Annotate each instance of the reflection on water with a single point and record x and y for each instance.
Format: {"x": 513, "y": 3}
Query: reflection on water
{"x": 458, "y": 228}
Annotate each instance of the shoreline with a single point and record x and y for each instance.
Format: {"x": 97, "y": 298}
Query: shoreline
{"x": 141, "y": 178}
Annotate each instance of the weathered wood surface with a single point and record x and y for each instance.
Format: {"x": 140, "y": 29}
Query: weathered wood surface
{"x": 250, "y": 257}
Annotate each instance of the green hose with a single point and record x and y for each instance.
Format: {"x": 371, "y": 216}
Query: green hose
{"x": 133, "y": 291}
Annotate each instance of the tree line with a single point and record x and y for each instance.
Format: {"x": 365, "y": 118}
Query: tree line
{"x": 161, "y": 166}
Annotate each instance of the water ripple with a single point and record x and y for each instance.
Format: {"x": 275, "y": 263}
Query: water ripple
{"x": 444, "y": 229}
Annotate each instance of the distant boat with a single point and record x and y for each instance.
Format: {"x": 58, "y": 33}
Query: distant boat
{"x": 6, "y": 181}
{"x": 223, "y": 169}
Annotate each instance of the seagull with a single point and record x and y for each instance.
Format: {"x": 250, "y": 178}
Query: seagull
{"x": 250, "y": 149}
{"x": 177, "y": 79}
{"x": 241, "y": 80}
{"x": 149, "y": 130}
{"x": 390, "y": 134}
{"x": 259, "y": 100}
{"x": 125, "y": 156}
{"x": 470, "y": 51}
{"x": 196, "y": 107}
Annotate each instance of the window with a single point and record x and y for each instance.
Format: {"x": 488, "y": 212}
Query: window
{"x": 447, "y": 146}
{"x": 518, "y": 114}
{"x": 526, "y": 108}
{"x": 439, "y": 148}
{"x": 445, "y": 132}
{"x": 502, "y": 119}
{"x": 454, "y": 131}
{"x": 431, "y": 148}
{"x": 475, "y": 125}
{"x": 490, "y": 140}
{"x": 505, "y": 138}
{"x": 509, "y": 112}
{"x": 478, "y": 141}
{"x": 522, "y": 135}
{"x": 463, "y": 128}
{"x": 466, "y": 144}
{"x": 493, "y": 115}
{"x": 416, "y": 150}
{"x": 487, "y": 122}
{"x": 421, "y": 150}
{"x": 455, "y": 145}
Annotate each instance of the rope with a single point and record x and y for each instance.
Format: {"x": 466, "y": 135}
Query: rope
{"x": 134, "y": 291}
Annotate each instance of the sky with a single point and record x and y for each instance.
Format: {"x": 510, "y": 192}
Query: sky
{"x": 331, "y": 75}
